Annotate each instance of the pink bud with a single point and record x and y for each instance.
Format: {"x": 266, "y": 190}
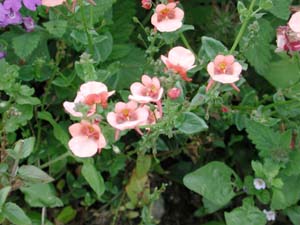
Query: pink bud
{"x": 174, "y": 93}
{"x": 146, "y": 4}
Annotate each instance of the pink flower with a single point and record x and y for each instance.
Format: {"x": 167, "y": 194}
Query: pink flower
{"x": 146, "y": 4}
{"x": 167, "y": 18}
{"x": 86, "y": 140}
{"x": 52, "y": 3}
{"x": 294, "y": 22}
{"x": 90, "y": 94}
{"x": 287, "y": 40}
{"x": 174, "y": 93}
{"x": 179, "y": 60}
{"x": 147, "y": 91}
{"x": 153, "y": 116}
{"x": 225, "y": 70}
{"x": 127, "y": 116}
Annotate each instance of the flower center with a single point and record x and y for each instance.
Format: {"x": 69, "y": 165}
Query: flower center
{"x": 90, "y": 131}
{"x": 166, "y": 13}
{"x": 97, "y": 99}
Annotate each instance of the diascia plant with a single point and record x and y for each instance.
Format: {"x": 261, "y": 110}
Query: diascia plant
{"x": 149, "y": 112}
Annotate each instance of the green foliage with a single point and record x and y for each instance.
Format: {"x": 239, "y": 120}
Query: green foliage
{"x": 211, "y": 48}
{"x": 281, "y": 8}
{"x": 15, "y": 214}
{"x": 190, "y": 123}
{"x": 24, "y": 50}
{"x": 213, "y": 181}
{"x": 247, "y": 214}
{"x": 272, "y": 145}
{"x": 93, "y": 177}
{"x": 257, "y": 38}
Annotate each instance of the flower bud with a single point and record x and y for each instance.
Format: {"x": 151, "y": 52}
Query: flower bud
{"x": 146, "y": 4}
{"x": 174, "y": 93}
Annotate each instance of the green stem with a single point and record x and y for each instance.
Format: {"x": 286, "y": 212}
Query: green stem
{"x": 243, "y": 28}
{"x": 61, "y": 157}
{"x": 85, "y": 25}
{"x": 186, "y": 43}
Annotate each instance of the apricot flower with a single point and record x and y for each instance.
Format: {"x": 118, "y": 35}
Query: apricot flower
{"x": 225, "y": 70}
{"x": 167, "y": 18}
{"x": 52, "y": 3}
{"x": 90, "y": 94}
{"x": 86, "y": 140}
{"x": 179, "y": 60}
{"x": 127, "y": 116}
{"x": 294, "y": 22}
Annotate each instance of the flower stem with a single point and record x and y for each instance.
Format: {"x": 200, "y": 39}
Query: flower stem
{"x": 61, "y": 157}
{"x": 85, "y": 25}
{"x": 243, "y": 28}
{"x": 186, "y": 43}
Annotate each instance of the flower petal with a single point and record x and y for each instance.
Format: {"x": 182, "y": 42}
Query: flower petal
{"x": 82, "y": 146}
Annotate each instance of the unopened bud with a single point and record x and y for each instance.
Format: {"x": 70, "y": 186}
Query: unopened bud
{"x": 174, "y": 93}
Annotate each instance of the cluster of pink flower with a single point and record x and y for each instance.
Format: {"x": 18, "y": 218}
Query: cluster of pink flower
{"x": 168, "y": 18}
{"x": 288, "y": 37}
{"x": 87, "y": 138}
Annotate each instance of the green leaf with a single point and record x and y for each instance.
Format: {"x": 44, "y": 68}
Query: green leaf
{"x": 23, "y": 148}
{"x": 41, "y": 195}
{"x": 288, "y": 195}
{"x": 56, "y": 27}
{"x": 15, "y": 214}
{"x": 281, "y": 8}
{"x": 93, "y": 177}
{"x": 293, "y": 166}
{"x": 59, "y": 133}
{"x": 3, "y": 195}
{"x": 266, "y": 4}
{"x": 25, "y": 44}
{"x": 18, "y": 116}
{"x": 66, "y": 215}
{"x": 143, "y": 165}
{"x": 270, "y": 143}
{"x": 283, "y": 73}
{"x": 211, "y": 48}
{"x": 249, "y": 215}
{"x": 294, "y": 214}
{"x": 190, "y": 123}
{"x": 33, "y": 174}
{"x": 257, "y": 39}
{"x": 212, "y": 181}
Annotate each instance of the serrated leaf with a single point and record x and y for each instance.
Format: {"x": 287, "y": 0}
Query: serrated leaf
{"x": 93, "y": 177}
{"x": 33, "y": 174}
{"x": 25, "y": 44}
{"x": 212, "y": 181}
{"x": 56, "y": 27}
{"x": 15, "y": 214}
{"x": 272, "y": 145}
{"x": 288, "y": 195}
{"x": 281, "y": 8}
{"x": 41, "y": 195}
{"x": 283, "y": 73}
{"x": 257, "y": 39}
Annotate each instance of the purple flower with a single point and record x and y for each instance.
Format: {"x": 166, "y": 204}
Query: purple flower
{"x": 28, "y": 24}
{"x": 14, "y": 5}
{"x": 32, "y": 4}
{"x": 2, "y": 54}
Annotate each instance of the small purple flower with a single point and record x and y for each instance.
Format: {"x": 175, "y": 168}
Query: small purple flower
{"x": 32, "y": 4}
{"x": 28, "y": 24}
{"x": 2, "y": 54}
